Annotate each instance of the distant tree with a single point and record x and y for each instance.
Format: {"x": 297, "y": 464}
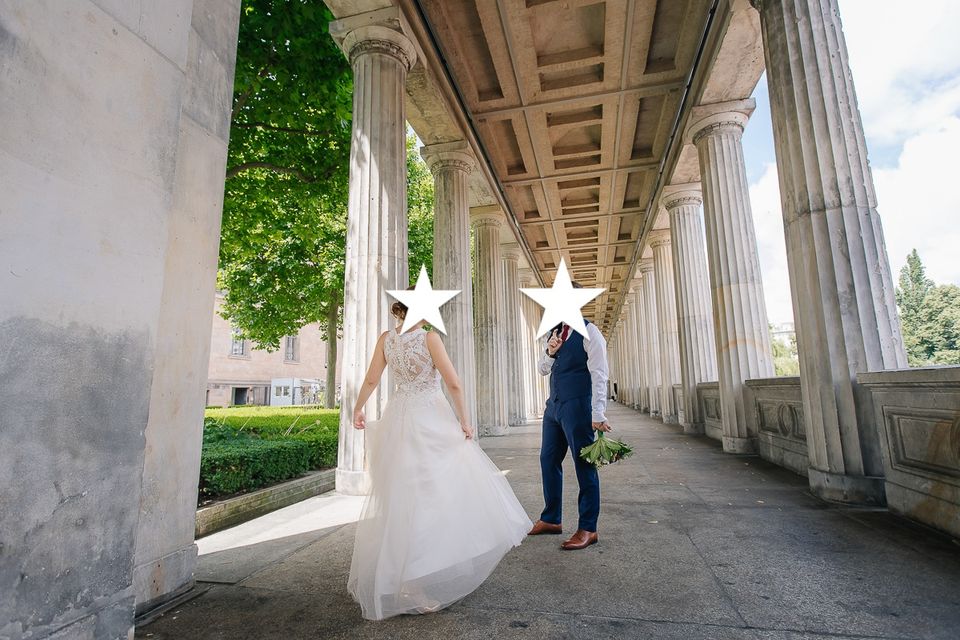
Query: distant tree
{"x": 786, "y": 361}
{"x": 283, "y": 236}
{"x": 929, "y": 316}
{"x": 419, "y": 211}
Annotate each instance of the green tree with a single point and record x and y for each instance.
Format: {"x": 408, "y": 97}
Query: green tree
{"x": 419, "y": 211}
{"x": 929, "y": 316}
{"x": 283, "y": 235}
{"x": 786, "y": 361}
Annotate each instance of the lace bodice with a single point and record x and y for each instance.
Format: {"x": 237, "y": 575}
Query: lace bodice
{"x": 410, "y": 362}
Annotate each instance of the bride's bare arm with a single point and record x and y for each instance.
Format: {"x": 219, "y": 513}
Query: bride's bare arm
{"x": 442, "y": 362}
{"x": 374, "y": 372}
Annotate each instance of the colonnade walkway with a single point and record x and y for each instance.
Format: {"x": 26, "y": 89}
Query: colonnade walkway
{"x": 694, "y": 543}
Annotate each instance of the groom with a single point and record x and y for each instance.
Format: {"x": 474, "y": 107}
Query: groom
{"x": 574, "y": 410}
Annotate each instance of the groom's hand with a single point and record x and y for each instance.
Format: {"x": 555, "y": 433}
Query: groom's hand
{"x": 601, "y": 426}
{"x": 553, "y": 343}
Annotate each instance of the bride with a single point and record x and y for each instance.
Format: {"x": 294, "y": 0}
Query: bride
{"x": 440, "y": 514}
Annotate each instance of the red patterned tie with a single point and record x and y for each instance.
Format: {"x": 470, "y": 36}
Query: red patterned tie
{"x": 566, "y": 332}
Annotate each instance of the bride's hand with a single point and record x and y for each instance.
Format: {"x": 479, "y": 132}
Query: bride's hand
{"x": 467, "y": 431}
{"x": 359, "y": 420}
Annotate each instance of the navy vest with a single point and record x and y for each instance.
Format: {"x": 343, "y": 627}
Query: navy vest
{"x": 570, "y": 377}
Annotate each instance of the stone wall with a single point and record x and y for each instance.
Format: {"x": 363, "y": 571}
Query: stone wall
{"x": 774, "y": 412}
{"x": 708, "y": 396}
{"x": 917, "y": 412}
{"x": 112, "y": 152}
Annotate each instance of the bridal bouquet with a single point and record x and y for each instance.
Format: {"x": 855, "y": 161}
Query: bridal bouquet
{"x": 605, "y": 450}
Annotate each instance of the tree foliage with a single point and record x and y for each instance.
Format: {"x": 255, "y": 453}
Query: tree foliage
{"x": 786, "y": 361}
{"x": 929, "y": 316}
{"x": 283, "y": 236}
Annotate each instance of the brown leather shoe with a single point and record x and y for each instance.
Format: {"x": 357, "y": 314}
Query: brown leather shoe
{"x": 580, "y": 540}
{"x": 540, "y": 527}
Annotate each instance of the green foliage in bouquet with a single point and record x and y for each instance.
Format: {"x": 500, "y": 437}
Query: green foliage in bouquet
{"x": 605, "y": 450}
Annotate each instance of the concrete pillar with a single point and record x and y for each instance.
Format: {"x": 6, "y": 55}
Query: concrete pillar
{"x": 451, "y": 164}
{"x": 512, "y": 345}
{"x": 636, "y": 321}
{"x": 740, "y": 313}
{"x": 843, "y": 293}
{"x": 666, "y": 323}
{"x": 488, "y": 322}
{"x": 111, "y": 219}
{"x": 698, "y": 357}
{"x": 652, "y": 336}
{"x": 376, "y": 223}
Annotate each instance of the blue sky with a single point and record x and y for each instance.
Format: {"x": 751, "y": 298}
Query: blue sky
{"x": 906, "y": 68}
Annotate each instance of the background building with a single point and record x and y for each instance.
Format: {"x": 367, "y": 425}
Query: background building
{"x": 241, "y": 374}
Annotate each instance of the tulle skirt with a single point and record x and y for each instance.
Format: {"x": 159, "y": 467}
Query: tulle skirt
{"x": 439, "y": 517}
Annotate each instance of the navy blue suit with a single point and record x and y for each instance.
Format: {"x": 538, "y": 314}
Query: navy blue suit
{"x": 567, "y": 424}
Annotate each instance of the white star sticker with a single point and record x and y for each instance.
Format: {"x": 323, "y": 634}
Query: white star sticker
{"x": 424, "y": 302}
{"x": 562, "y": 303}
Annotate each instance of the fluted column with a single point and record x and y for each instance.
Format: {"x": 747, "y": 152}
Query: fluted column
{"x": 450, "y": 164}
{"x": 698, "y": 357}
{"x": 667, "y": 323}
{"x": 516, "y": 414}
{"x": 531, "y": 347}
{"x": 376, "y": 258}
{"x": 488, "y": 323}
{"x": 652, "y": 336}
{"x": 630, "y": 344}
{"x": 843, "y": 294}
{"x": 636, "y": 334}
{"x": 633, "y": 334}
{"x": 740, "y": 313}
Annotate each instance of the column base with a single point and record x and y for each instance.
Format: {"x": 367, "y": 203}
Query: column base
{"x": 837, "y": 487}
{"x": 670, "y": 419}
{"x": 732, "y": 444}
{"x": 692, "y": 428}
{"x": 160, "y": 580}
{"x": 497, "y": 430}
{"x": 353, "y": 483}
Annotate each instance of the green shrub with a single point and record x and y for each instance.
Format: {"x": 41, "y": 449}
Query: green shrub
{"x": 246, "y": 463}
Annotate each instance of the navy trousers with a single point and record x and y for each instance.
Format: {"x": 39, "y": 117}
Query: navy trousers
{"x": 568, "y": 425}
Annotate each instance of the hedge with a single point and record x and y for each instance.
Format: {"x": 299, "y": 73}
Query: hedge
{"x": 243, "y": 464}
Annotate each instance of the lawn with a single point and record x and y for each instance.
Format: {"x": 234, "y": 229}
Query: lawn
{"x": 246, "y": 448}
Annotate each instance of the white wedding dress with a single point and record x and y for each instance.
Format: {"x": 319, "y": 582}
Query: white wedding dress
{"x": 440, "y": 514}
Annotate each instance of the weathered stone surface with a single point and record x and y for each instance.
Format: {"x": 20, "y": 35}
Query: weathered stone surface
{"x": 698, "y": 358}
{"x": 666, "y": 324}
{"x": 488, "y": 312}
{"x": 376, "y": 223}
{"x": 840, "y": 278}
{"x": 918, "y": 415}
{"x": 651, "y": 336}
{"x": 774, "y": 415}
{"x": 510, "y": 314}
{"x": 740, "y": 315}
{"x": 451, "y": 165}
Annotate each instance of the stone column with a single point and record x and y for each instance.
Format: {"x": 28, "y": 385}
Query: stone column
{"x": 376, "y": 224}
{"x": 512, "y": 351}
{"x": 652, "y": 337}
{"x": 698, "y": 357}
{"x": 529, "y": 347}
{"x": 451, "y": 164}
{"x": 740, "y": 313}
{"x": 667, "y": 323}
{"x": 488, "y": 322}
{"x": 843, "y": 294}
{"x": 639, "y": 367}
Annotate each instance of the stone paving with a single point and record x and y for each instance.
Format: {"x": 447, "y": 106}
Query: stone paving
{"x": 694, "y": 543}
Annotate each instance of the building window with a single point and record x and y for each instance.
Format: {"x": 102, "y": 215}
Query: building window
{"x": 291, "y": 350}
{"x": 238, "y": 346}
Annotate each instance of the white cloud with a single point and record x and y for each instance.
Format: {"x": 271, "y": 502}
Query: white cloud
{"x": 771, "y": 245}
{"x": 920, "y": 205}
{"x": 906, "y": 64}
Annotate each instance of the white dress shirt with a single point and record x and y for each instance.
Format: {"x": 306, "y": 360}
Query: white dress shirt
{"x": 596, "y": 348}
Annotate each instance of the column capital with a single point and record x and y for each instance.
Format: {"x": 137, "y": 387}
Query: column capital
{"x": 526, "y": 277}
{"x": 376, "y": 32}
{"x": 448, "y": 156}
{"x": 646, "y": 266}
{"x": 659, "y": 238}
{"x": 677, "y": 195}
{"x": 486, "y": 216}
{"x": 510, "y": 251}
{"x": 718, "y": 118}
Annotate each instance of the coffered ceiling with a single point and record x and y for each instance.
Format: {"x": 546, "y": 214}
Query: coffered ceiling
{"x": 575, "y": 102}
